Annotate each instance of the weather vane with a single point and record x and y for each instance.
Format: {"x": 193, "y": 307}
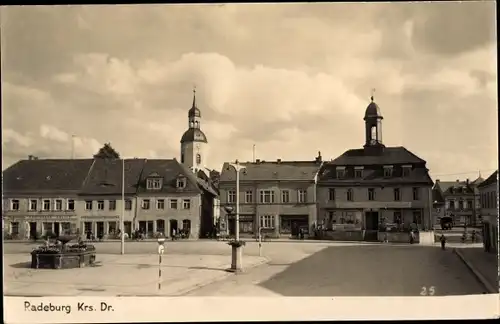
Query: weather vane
{"x": 373, "y": 93}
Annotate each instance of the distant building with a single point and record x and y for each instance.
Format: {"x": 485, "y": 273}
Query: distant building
{"x": 438, "y": 206}
{"x": 461, "y": 201}
{"x": 365, "y": 188}
{"x": 488, "y": 192}
{"x": 277, "y": 196}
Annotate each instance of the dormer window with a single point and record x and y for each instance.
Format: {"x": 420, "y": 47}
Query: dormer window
{"x": 406, "y": 170}
{"x": 181, "y": 183}
{"x": 387, "y": 171}
{"x": 340, "y": 172}
{"x": 358, "y": 172}
{"x": 153, "y": 184}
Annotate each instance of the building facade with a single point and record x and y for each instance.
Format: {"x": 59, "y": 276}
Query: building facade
{"x": 275, "y": 197}
{"x": 438, "y": 206}
{"x": 488, "y": 192}
{"x": 365, "y": 188}
{"x": 169, "y": 199}
{"x": 461, "y": 201}
{"x": 41, "y": 196}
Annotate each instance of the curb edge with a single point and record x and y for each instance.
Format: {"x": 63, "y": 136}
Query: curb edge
{"x": 476, "y": 272}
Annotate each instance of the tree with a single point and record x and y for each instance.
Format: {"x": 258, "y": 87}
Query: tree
{"x": 107, "y": 152}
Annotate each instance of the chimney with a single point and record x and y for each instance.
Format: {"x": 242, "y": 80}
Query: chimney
{"x": 438, "y": 181}
{"x": 467, "y": 181}
{"x": 458, "y": 181}
{"x": 278, "y": 160}
{"x": 257, "y": 161}
{"x": 30, "y": 157}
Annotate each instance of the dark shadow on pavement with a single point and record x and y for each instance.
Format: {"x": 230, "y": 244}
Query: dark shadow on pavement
{"x": 206, "y": 268}
{"x": 21, "y": 265}
{"x": 376, "y": 270}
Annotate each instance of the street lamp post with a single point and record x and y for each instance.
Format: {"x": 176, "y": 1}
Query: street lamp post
{"x": 122, "y": 218}
{"x": 236, "y": 255}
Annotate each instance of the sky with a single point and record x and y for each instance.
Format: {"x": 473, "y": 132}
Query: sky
{"x": 291, "y": 79}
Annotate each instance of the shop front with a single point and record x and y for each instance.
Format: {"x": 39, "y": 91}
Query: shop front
{"x": 292, "y": 224}
{"x": 247, "y": 225}
{"x": 37, "y": 226}
{"x": 100, "y": 227}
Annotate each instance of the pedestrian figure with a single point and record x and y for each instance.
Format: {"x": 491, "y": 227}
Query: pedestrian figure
{"x": 386, "y": 239}
{"x": 412, "y": 237}
{"x": 173, "y": 234}
{"x": 443, "y": 241}
{"x": 473, "y": 236}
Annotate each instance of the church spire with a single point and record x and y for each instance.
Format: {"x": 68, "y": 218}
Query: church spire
{"x": 194, "y": 97}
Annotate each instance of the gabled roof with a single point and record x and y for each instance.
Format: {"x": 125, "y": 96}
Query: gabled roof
{"x": 373, "y": 174}
{"x": 170, "y": 170}
{"x": 106, "y": 175}
{"x": 461, "y": 184}
{"x": 262, "y": 171}
{"x": 46, "y": 175}
{"x": 445, "y": 185}
{"x": 490, "y": 180}
{"x": 389, "y": 155}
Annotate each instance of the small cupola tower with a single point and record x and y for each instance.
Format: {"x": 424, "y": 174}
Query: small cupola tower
{"x": 194, "y": 143}
{"x": 373, "y": 125}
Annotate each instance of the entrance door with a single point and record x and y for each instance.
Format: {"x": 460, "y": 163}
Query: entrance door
{"x": 149, "y": 228}
{"x": 128, "y": 228}
{"x": 371, "y": 226}
{"x": 57, "y": 229}
{"x": 232, "y": 226}
{"x": 142, "y": 226}
{"x": 33, "y": 230}
{"x": 100, "y": 229}
{"x": 173, "y": 225}
{"x": 160, "y": 226}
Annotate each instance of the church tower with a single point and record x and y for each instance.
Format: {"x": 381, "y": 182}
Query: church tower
{"x": 194, "y": 144}
{"x": 373, "y": 126}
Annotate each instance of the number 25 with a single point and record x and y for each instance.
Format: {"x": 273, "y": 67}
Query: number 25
{"x": 428, "y": 292}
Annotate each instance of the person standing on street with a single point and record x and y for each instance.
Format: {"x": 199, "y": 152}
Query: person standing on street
{"x": 443, "y": 242}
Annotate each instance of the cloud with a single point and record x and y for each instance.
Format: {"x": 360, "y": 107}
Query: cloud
{"x": 290, "y": 79}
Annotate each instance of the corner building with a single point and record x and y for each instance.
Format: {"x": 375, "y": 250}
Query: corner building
{"x": 277, "y": 196}
{"x": 364, "y": 188}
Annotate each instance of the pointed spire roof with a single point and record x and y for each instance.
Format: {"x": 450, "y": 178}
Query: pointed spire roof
{"x": 194, "y": 111}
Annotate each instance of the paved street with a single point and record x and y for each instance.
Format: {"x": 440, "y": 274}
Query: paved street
{"x": 312, "y": 269}
{"x": 368, "y": 270}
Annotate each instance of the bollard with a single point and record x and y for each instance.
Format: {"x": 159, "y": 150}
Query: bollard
{"x": 260, "y": 242}
{"x": 159, "y": 272}
{"x": 161, "y": 249}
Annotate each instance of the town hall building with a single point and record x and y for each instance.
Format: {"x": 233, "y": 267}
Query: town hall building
{"x": 376, "y": 186}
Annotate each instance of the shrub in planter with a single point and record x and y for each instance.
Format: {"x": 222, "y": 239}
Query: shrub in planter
{"x": 235, "y": 243}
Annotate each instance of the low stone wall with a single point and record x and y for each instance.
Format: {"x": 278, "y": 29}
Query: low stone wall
{"x": 62, "y": 260}
{"x": 398, "y": 237}
{"x": 341, "y": 235}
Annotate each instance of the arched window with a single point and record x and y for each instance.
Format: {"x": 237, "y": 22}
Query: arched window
{"x": 191, "y": 124}
{"x": 197, "y": 124}
{"x": 373, "y": 133}
{"x": 198, "y": 159}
